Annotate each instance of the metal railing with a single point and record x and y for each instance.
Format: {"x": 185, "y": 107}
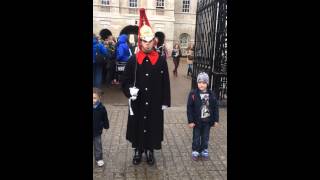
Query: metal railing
{"x": 211, "y": 45}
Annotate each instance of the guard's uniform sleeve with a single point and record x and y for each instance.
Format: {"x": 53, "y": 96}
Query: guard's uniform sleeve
{"x": 127, "y": 77}
{"x": 106, "y": 120}
{"x": 190, "y": 109}
{"x": 215, "y": 109}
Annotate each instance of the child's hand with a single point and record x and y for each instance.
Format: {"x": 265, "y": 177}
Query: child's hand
{"x": 191, "y": 125}
{"x": 216, "y": 124}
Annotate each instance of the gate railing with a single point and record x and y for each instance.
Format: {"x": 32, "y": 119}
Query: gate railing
{"x": 211, "y": 45}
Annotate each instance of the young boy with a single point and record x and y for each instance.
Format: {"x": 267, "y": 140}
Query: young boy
{"x": 203, "y": 113}
{"x": 100, "y": 122}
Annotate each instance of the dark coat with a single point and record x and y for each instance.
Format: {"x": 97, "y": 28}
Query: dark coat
{"x": 173, "y": 53}
{"x": 194, "y": 105}
{"x": 100, "y": 120}
{"x": 145, "y": 127}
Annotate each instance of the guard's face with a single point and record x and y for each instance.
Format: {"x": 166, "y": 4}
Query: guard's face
{"x": 147, "y": 45}
{"x": 202, "y": 85}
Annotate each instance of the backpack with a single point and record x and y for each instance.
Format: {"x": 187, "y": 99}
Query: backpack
{"x": 190, "y": 56}
{"x": 193, "y": 95}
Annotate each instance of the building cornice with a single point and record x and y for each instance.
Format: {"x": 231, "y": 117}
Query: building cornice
{"x": 164, "y": 19}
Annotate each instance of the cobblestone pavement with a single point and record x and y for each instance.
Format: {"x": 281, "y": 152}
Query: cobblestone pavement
{"x": 173, "y": 161}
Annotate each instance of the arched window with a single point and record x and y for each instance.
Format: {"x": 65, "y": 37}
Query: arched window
{"x": 184, "y": 41}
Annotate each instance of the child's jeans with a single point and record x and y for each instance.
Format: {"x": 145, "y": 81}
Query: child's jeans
{"x": 97, "y": 148}
{"x": 97, "y": 75}
{"x": 201, "y": 134}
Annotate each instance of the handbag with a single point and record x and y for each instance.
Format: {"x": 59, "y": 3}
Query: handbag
{"x": 190, "y": 56}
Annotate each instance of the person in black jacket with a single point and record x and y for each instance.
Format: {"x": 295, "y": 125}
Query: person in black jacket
{"x": 160, "y": 44}
{"x": 176, "y": 54}
{"x": 100, "y": 122}
{"x": 203, "y": 113}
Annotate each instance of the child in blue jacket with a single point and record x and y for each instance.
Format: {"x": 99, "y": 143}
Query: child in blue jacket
{"x": 203, "y": 113}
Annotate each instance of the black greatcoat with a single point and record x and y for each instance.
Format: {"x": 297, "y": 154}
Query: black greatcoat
{"x": 145, "y": 127}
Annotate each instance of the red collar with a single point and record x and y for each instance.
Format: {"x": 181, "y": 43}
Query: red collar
{"x": 153, "y": 56}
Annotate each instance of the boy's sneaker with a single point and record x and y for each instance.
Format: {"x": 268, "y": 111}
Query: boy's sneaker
{"x": 100, "y": 163}
{"x": 195, "y": 155}
{"x": 205, "y": 154}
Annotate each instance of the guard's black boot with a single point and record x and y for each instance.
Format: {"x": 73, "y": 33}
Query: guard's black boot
{"x": 137, "y": 157}
{"x": 150, "y": 157}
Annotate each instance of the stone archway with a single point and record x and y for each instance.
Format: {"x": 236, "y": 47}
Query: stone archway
{"x": 132, "y": 32}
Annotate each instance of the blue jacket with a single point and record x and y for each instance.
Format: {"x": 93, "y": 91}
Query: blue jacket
{"x": 100, "y": 47}
{"x": 194, "y": 107}
{"x": 122, "y": 49}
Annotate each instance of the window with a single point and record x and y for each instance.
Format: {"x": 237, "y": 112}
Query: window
{"x": 160, "y": 7}
{"x": 185, "y": 5}
{"x": 105, "y": 2}
{"x": 133, "y": 3}
{"x": 160, "y": 4}
{"x": 105, "y": 5}
{"x": 184, "y": 40}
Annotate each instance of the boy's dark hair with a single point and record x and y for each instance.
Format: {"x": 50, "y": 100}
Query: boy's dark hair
{"x": 97, "y": 91}
{"x": 160, "y": 35}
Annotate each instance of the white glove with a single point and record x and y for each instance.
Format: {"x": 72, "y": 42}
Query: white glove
{"x": 164, "y": 107}
{"x": 133, "y": 98}
{"x": 134, "y": 92}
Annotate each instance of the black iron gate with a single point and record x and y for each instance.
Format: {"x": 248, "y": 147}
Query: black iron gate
{"x": 211, "y": 45}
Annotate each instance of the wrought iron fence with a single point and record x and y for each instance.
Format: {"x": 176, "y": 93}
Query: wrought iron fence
{"x": 211, "y": 45}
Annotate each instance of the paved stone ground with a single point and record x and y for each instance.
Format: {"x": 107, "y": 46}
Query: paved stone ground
{"x": 173, "y": 161}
